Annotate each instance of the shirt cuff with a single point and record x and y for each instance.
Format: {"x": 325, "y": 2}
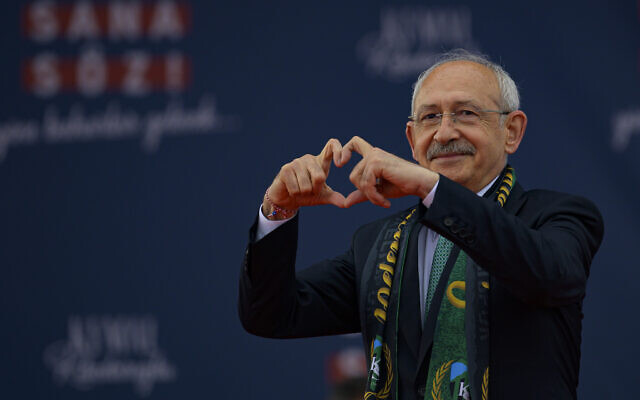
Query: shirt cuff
{"x": 266, "y": 226}
{"x": 429, "y": 199}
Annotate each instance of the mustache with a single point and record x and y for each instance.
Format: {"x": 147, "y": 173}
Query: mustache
{"x": 459, "y": 146}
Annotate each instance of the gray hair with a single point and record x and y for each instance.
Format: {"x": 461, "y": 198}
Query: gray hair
{"x": 509, "y": 97}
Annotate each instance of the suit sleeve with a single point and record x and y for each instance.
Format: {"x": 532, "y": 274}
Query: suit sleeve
{"x": 278, "y": 302}
{"x": 543, "y": 261}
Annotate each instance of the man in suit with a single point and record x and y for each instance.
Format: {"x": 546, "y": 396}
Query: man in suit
{"x": 476, "y": 292}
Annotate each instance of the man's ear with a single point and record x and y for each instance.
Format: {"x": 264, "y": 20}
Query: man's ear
{"x": 515, "y": 125}
{"x": 409, "y": 132}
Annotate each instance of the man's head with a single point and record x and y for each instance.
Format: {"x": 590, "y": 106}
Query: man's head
{"x": 488, "y": 125}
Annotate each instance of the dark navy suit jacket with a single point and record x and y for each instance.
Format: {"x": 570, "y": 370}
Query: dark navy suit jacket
{"x": 538, "y": 250}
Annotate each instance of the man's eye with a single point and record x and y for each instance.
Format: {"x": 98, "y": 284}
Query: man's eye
{"x": 428, "y": 117}
{"x": 466, "y": 113}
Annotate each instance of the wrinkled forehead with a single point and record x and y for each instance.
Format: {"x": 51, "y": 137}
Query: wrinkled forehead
{"x": 459, "y": 81}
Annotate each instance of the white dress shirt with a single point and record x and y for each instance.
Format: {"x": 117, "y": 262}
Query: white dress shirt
{"x": 427, "y": 241}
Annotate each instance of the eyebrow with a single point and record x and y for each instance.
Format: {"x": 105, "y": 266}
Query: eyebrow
{"x": 456, "y": 103}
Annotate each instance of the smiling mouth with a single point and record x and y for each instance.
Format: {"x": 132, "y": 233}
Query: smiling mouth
{"x": 449, "y": 155}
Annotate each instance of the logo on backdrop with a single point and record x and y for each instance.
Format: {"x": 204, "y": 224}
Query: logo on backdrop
{"x": 103, "y": 55}
{"x": 625, "y": 124}
{"x": 103, "y": 350}
{"x": 409, "y": 39}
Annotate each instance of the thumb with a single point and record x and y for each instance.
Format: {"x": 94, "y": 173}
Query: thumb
{"x": 354, "y": 198}
{"x": 357, "y": 196}
{"x": 330, "y": 196}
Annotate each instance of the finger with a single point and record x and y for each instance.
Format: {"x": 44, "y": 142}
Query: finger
{"x": 356, "y": 173}
{"x": 363, "y": 177}
{"x": 288, "y": 177}
{"x": 303, "y": 177}
{"x": 357, "y": 144}
{"x": 331, "y": 150}
{"x": 356, "y": 176}
{"x": 355, "y": 197}
{"x": 336, "y": 150}
{"x": 370, "y": 189}
{"x": 318, "y": 177}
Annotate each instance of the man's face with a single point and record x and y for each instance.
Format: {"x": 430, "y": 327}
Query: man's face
{"x": 471, "y": 154}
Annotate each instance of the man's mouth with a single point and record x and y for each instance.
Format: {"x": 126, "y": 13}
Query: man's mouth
{"x": 447, "y": 156}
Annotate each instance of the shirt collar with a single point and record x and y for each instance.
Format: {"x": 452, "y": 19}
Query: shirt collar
{"x": 484, "y": 189}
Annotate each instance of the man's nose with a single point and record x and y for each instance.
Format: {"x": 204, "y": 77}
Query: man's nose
{"x": 447, "y": 130}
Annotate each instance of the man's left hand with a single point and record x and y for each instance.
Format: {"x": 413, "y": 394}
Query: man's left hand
{"x": 381, "y": 175}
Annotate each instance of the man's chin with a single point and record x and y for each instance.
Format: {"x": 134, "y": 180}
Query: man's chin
{"x": 454, "y": 167}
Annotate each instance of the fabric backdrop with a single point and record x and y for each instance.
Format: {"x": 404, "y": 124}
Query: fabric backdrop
{"x": 137, "y": 139}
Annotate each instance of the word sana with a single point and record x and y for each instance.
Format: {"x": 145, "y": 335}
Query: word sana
{"x": 45, "y": 21}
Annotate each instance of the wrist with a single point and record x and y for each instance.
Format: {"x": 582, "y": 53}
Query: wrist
{"x": 274, "y": 212}
{"x": 427, "y": 184}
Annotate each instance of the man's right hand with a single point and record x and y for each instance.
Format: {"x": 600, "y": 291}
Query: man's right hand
{"x": 302, "y": 182}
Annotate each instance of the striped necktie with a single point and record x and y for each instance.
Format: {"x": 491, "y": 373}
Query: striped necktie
{"x": 440, "y": 256}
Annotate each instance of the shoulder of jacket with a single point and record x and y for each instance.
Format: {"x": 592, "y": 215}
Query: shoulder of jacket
{"x": 545, "y": 195}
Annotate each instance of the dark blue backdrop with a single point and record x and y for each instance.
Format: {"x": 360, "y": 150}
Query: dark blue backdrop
{"x": 135, "y": 152}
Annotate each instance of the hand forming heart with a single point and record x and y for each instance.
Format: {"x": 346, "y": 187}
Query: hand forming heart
{"x": 377, "y": 177}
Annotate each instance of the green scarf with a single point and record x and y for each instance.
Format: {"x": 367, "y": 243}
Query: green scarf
{"x": 459, "y": 361}
{"x": 449, "y": 376}
{"x": 390, "y": 246}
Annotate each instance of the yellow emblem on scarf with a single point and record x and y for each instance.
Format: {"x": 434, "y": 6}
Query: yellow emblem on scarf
{"x": 456, "y": 302}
